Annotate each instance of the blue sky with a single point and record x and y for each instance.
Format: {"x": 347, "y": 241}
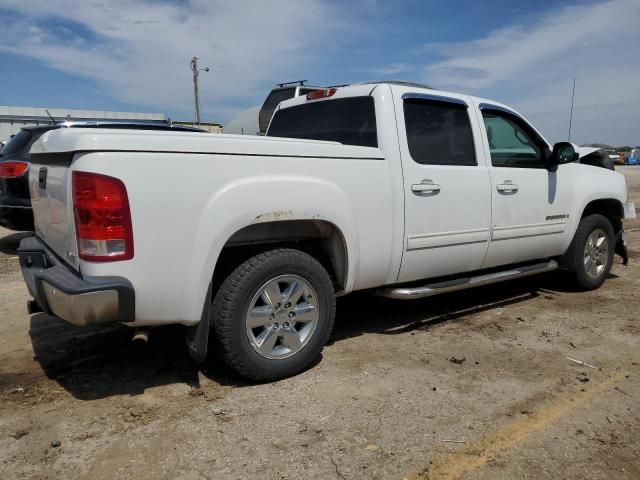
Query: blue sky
{"x": 134, "y": 55}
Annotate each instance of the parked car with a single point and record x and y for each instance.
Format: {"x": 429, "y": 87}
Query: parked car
{"x": 284, "y": 91}
{"x": 400, "y": 190}
{"x": 15, "y": 204}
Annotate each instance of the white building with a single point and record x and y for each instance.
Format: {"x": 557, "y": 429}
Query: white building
{"x": 13, "y": 118}
{"x": 245, "y": 122}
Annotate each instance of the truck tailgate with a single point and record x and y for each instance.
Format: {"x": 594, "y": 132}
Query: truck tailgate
{"x": 50, "y": 188}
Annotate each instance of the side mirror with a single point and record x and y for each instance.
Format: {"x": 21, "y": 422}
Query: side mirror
{"x": 563, "y": 152}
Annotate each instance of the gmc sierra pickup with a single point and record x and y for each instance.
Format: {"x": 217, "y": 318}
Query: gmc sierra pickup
{"x": 394, "y": 188}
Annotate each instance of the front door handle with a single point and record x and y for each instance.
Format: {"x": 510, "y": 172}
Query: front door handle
{"x": 425, "y": 188}
{"x": 507, "y": 187}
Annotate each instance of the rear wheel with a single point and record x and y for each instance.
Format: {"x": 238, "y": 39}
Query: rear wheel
{"x": 273, "y": 314}
{"x": 590, "y": 254}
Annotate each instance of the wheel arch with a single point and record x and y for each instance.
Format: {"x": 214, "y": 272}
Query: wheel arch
{"x": 250, "y": 214}
{"x": 610, "y": 208}
{"x": 321, "y": 239}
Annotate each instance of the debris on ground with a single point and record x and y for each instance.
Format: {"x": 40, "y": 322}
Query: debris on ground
{"x": 581, "y": 363}
{"x": 19, "y": 433}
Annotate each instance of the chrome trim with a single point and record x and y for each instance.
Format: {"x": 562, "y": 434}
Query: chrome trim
{"x": 82, "y": 309}
{"x": 14, "y": 206}
{"x": 410, "y": 293}
{"x": 437, "y": 98}
{"x": 629, "y": 209}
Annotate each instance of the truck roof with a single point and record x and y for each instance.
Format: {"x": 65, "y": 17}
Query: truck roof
{"x": 367, "y": 88}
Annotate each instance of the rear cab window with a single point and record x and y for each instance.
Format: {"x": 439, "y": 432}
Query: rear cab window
{"x": 350, "y": 121}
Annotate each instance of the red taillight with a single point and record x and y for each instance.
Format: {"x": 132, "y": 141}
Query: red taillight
{"x": 12, "y": 169}
{"x": 103, "y": 219}
{"x": 321, "y": 94}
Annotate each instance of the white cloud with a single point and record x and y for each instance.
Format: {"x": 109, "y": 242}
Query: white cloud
{"x": 532, "y": 67}
{"x": 139, "y": 51}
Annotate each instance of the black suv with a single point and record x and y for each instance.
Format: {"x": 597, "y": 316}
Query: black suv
{"x": 15, "y": 202}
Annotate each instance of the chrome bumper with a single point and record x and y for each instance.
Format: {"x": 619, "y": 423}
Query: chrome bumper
{"x": 83, "y": 308}
{"x": 59, "y": 291}
{"x": 629, "y": 210}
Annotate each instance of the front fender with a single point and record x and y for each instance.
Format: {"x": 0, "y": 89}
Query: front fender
{"x": 592, "y": 184}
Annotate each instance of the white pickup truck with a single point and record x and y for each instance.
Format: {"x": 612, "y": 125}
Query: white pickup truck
{"x": 394, "y": 188}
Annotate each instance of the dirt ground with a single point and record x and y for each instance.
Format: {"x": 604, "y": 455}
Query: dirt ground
{"x": 473, "y": 385}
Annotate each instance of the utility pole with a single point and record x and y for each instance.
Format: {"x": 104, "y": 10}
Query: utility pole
{"x": 573, "y": 94}
{"x": 196, "y": 71}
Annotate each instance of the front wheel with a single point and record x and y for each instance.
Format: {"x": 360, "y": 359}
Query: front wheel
{"x": 590, "y": 254}
{"x": 273, "y": 314}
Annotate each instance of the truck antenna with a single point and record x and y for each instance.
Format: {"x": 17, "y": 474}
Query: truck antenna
{"x": 52, "y": 119}
{"x": 573, "y": 94}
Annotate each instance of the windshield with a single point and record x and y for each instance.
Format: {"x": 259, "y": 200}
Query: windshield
{"x": 17, "y": 143}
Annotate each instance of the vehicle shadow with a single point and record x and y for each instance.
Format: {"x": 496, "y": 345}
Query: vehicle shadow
{"x": 9, "y": 244}
{"x": 99, "y": 362}
{"x": 362, "y": 313}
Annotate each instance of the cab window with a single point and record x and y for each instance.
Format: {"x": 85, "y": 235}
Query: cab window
{"x": 439, "y": 133}
{"x": 511, "y": 142}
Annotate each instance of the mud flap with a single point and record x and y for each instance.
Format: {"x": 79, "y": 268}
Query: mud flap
{"x": 621, "y": 247}
{"x": 198, "y": 335}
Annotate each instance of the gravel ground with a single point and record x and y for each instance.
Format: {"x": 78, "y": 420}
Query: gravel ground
{"x": 473, "y": 385}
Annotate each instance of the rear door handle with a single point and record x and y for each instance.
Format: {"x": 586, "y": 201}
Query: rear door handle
{"x": 507, "y": 187}
{"x": 425, "y": 188}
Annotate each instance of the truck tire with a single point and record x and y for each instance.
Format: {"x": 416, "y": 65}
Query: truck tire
{"x": 590, "y": 255}
{"x": 273, "y": 314}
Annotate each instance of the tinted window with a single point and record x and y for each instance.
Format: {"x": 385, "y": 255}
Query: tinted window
{"x": 439, "y": 133}
{"x": 351, "y": 121}
{"x": 17, "y": 143}
{"x": 510, "y": 144}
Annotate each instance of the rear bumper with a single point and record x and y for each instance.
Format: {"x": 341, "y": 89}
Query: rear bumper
{"x": 629, "y": 210}
{"x": 16, "y": 217}
{"x": 59, "y": 291}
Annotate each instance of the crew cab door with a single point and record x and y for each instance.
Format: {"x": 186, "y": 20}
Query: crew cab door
{"x": 530, "y": 203}
{"x": 446, "y": 186}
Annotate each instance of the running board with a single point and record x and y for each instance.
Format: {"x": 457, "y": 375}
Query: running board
{"x": 410, "y": 293}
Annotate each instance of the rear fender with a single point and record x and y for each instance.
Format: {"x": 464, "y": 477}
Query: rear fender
{"x": 267, "y": 199}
